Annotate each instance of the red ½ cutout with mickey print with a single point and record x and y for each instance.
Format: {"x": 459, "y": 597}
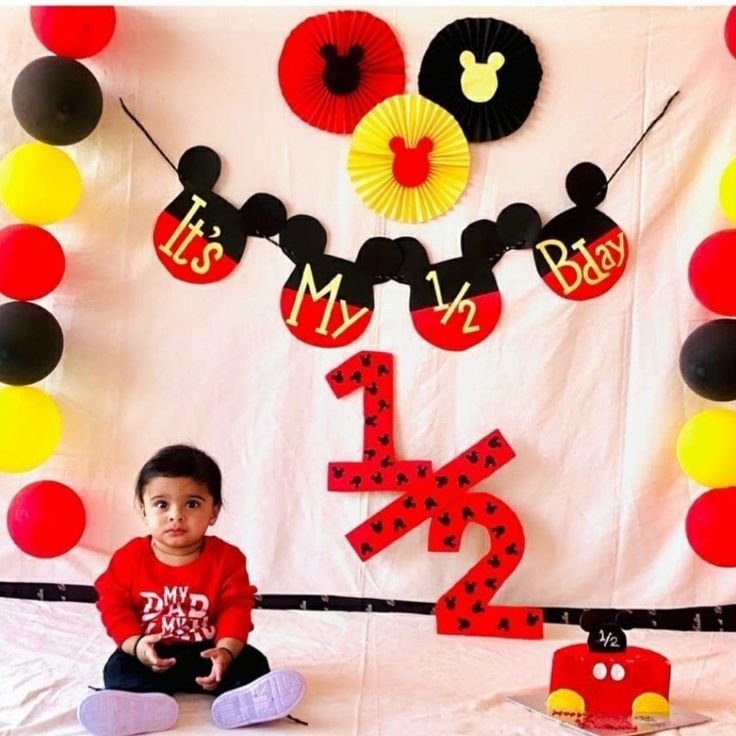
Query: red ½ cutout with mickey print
{"x": 441, "y": 496}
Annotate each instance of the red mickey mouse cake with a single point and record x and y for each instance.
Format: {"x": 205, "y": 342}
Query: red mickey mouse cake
{"x": 605, "y": 682}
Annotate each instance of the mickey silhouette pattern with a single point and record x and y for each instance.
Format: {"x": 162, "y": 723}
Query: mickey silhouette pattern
{"x": 328, "y": 301}
{"x": 439, "y": 495}
{"x": 200, "y": 237}
{"x": 342, "y": 73}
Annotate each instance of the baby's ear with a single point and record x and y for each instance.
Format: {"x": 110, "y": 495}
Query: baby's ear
{"x": 303, "y": 239}
{"x": 263, "y": 215}
{"x": 199, "y": 169}
{"x": 379, "y": 258}
{"x": 414, "y": 261}
{"x": 328, "y": 52}
{"x": 467, "y": 59}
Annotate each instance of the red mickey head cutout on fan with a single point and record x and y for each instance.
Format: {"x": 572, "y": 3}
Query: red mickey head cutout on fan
{"x": 456, "y": 304}
{"x": 581, "y": 253}
{"x": 336, "y": 66}
{"x": 200, "y": 237}
{"x": 328, "y": 301}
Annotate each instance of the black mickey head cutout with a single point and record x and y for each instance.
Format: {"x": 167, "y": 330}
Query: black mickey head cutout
{"x": 342, "y": 73}
{"x": 455, "y": 304}
{"x": 328, "y": 301}
{"x": 606, "y": 632}
{"x": 200, "y": 237}
{"x": 582, "y": 253}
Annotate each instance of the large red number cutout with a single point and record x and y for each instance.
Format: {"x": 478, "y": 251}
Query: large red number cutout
{"x": 463, "y": 608}
{"x": 429, "y": 494}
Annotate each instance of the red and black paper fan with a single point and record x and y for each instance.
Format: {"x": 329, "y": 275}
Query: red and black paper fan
{"x": 335, "y": 67}
{"x": 485, "y": 72}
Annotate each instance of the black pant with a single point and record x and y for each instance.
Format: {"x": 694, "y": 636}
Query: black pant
{"x": 123, "y": 672}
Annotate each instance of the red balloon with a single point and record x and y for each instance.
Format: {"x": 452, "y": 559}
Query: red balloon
{"x": 31, "y": 262}
{"x": 712, "y": 272}
{"x": 730, "y": 31}
{"x": 710, "y": 526}
{"x": 73, "y": 31}
{"x": 46, "y": 518}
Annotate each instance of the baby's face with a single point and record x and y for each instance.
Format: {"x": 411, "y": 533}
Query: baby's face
{"x": 177, "y": 512}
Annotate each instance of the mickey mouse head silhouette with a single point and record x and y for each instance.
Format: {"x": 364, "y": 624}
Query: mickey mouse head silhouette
{"x": 328, "y": 301}
{"x": 411, "y": 166}
{"x": 342, "y": 73}
{"x": 200, "y": 237}
{"x": 581, "y": 253}
{"x": 455, "y": 304}
{"x": 606, "y": 631}
{"x": 479, "y": 81}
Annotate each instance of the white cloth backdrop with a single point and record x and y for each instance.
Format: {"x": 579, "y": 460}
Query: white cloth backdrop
{"x": 588, "y": 394}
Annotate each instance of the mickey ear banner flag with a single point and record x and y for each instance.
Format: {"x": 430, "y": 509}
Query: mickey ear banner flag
{"x": 200, "y": 237}
{"x": 485, "y": 72}
{"x": 328, "y": 301}
{"x": 582, "y": 253}
{"x": 335, "y": 67}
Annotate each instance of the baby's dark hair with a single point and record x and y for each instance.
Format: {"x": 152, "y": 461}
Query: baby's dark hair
{"x": 182, "y": 461}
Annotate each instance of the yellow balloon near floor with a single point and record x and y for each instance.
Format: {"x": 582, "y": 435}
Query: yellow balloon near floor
{"x": 706, "y": 448}
{"x": 727, "y": 191}
{"x": 39, "y": 184}
{"x": 30, "y": 428}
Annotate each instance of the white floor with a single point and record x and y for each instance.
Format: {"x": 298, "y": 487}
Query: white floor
{"x": 367, "y": 674}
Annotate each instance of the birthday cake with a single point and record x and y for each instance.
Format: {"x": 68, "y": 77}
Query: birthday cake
{"x": 607, "y": 682}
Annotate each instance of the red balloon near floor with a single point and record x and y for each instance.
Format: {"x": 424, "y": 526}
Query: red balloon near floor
{"x": 32, "y": 262}
{"x": 710, "y": 526}
{"x": 712, "y": 272}
{"x": 46, "y": 518}
{"x": 73, "y": 31}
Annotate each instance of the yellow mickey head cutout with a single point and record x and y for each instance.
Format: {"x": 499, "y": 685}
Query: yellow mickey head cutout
{"x": 479, "y": 81}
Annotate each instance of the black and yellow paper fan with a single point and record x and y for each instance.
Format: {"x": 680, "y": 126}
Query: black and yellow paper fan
{"x": 409, "y": 159}
{"x": 485, "y": 72}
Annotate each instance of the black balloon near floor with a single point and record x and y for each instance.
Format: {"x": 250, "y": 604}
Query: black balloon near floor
{"x": 708, "y": 360}
{"x": 57, "y": 100}
{"x": 31, "y": 343}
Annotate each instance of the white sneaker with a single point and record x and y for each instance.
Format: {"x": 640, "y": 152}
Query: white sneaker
{"x": 266, "y": 699}
{"x": 120, "y": 713}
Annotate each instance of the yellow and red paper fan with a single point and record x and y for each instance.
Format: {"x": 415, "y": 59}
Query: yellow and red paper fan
{"x": 409, "y": 159}
{"x": 335, "y": 67}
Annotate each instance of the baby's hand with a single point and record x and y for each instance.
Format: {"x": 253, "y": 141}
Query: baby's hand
{"x": 221, "y": 659}
{"x": 147, "y": 654}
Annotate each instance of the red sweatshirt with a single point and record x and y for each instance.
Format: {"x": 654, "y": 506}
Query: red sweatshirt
{"x": 209, "y": 598}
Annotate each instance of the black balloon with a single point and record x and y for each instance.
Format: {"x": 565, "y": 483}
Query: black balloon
{"x": 57, "y": 100}
{"x": 31, "y": 343}
{"x": 708, "y": 360}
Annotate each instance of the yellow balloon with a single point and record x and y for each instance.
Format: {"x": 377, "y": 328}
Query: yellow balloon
{"x": 39, "y": 184}
{"x": 727, "y": 191}
{"x": 30, "y": 428}
{"x": 706, "y": 448}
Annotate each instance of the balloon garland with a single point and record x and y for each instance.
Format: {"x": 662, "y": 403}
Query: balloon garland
{"x": 57, "y": 101}
{"x": 705, "y": 445}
